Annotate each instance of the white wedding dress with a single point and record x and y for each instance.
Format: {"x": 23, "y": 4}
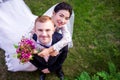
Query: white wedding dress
{"x": 16, "y": 20}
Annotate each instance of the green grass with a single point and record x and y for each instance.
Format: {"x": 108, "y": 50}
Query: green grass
{"x": 96, "y": 39}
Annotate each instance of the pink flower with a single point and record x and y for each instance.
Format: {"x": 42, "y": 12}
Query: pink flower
{"x": 25, "y": 49}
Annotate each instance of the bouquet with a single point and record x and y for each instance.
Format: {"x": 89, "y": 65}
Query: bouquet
{"x": 25, "y": 50}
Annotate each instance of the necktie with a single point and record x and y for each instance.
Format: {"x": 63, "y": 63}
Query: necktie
{"x": 44, "y": 46}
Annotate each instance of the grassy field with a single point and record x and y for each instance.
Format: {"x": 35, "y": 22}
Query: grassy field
{"x": 96, "y": 39}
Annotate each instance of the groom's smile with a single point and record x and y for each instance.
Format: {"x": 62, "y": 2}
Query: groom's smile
{"x": 44, "y": 31}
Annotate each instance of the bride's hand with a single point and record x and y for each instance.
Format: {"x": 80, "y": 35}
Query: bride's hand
{"x": 44, "y": 52}
{"x": 54, "y": 53}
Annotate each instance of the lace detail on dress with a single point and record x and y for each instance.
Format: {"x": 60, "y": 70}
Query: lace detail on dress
{"x": 64, "y": 41}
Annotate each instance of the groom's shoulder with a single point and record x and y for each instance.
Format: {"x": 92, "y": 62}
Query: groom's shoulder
{"x": 57, "y": 36}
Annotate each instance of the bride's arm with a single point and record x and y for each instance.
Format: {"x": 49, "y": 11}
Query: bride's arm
{"x": 54, "y": 50}
{"x": 62, "y": 43}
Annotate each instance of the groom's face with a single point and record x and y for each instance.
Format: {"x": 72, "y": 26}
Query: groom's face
{"x": 61, "y": 18}
{"x": 44, "y": 31}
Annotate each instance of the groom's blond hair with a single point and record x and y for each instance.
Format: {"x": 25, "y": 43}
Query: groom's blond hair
{"x": 43, "y": 19}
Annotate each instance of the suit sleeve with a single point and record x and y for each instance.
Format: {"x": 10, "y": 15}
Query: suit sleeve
{"x": 61, "y": 58}
{"x": 36, "y": 62}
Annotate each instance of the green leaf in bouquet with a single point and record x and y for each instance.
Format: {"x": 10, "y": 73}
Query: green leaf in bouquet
{"x": 18, "y": 55}
{"x": 16, "y": 46}
{"x": 15, "y": 55}
{"x": 31, "y": 58}
{"x": 22, "y": 61}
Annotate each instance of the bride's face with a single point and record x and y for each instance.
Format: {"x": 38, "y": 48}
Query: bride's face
{"x": 61, "y": 18}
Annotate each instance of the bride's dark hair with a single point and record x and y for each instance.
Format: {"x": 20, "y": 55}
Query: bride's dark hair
{"x": 63, "y": 6}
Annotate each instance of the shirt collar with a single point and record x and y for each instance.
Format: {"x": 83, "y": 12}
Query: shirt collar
{"x": 48, "y": 45}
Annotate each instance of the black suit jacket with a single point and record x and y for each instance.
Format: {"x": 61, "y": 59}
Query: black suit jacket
{"x": 54, "y": 62}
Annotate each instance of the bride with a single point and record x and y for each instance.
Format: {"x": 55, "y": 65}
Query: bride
{"x": 17, "y": 20}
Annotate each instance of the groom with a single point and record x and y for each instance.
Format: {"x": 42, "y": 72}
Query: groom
{"x": 46, "y": 37}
